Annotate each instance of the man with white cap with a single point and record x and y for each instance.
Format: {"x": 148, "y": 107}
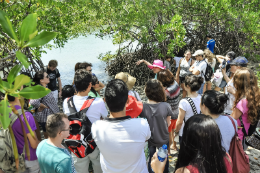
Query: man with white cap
{"x": 199, "y": 67}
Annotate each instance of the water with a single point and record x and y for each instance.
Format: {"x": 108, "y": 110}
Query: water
{"x": 79, "y": 50}
{"x": 162, "y": 153}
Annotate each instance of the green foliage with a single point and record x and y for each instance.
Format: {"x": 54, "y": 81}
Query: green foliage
{"x": 5, "y": 110}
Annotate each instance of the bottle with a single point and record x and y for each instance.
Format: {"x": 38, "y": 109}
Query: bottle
{"x": 162, "y": 153}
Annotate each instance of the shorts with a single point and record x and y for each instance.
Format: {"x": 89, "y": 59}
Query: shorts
{"x": 43, "y": 125}
{"x": 182, "y": 79}
{"x": 172, "y": 126}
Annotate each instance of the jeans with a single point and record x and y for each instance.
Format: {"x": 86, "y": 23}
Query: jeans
{"x": 201, "y": 89}
{"x": 82, "y": 164}
{"x": 152, "y": 150}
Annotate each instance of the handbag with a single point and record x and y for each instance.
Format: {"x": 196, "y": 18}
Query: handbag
{"x": 254, "y": 139}
{"x": 239, "y": 158}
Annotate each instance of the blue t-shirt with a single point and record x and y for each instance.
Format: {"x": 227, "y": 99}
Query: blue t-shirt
{"x": 54, "y": 159}
{"x": 211, "y": 45}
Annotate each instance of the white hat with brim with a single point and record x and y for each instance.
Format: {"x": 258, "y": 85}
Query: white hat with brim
{"x": 127, "y": 78}
{"x": 198, "y": 52}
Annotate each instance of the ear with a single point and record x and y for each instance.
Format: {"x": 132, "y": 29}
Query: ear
{"x": 104, "y": 100}
{"x": 127, "y": 101}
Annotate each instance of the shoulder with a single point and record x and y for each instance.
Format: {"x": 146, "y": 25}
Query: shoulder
{"x": 180, "y": 170}
{"x": 98, "y": 101}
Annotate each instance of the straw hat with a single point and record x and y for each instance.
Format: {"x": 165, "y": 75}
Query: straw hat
{"x": 127, "y": 78}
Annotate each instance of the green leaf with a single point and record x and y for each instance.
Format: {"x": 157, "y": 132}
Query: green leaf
{"x": 5, "y": 110}
{"x": 4, "y": 86}
{"x": 31, "y": 36}
{"x": 13, "y": 73}
{"x": 28, "y": 27}
{"x": 41, "y": 39}
{"x": 20, "y": 80}
{"x": 7, "y": 26}
{"x": 34, "y": 92}
{"x": 22, "y": 58}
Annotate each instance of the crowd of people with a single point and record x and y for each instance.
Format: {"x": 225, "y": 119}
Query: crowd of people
{"x": 128, "y": 132}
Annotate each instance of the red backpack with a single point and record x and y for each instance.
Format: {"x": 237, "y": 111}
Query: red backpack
{"x": 80, "y": 141}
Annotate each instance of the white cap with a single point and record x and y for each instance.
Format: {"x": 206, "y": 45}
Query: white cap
{"x": 198, "y": 52}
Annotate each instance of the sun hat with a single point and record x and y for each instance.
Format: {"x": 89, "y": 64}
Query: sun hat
{"x": 239, "y": 61}
{"x": 157, "y": 63}
{"x": 127, "y": 78}
{"x": 198, "y": 52}
{"x": 133, "y": 108}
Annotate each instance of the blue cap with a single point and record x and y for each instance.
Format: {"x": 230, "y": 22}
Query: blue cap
{"x": 164, "y": 146}
{"x": 239, "y": 61}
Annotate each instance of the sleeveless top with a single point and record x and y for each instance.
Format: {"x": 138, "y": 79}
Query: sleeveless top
{"x": 184, "y": 67}
{"x": 227, "y": 160}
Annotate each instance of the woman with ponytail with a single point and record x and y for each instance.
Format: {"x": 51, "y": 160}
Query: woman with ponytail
{"x": 213, "y": 104}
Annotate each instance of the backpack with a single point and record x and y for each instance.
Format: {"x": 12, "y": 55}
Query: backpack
{"x": 7, "y": 160}
{"x": 239, "y": 158}
{"x": 80, "y": 141}
{"x": 208, "y": 72}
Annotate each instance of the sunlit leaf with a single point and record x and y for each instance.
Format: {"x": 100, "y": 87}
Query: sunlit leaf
{"x": 34, "y": 92}
{"x": 20, "y": 81}
{"x": 22, "y": 58}
{"x": 5, "y": 110}
{"x": 7, "y": 26}
{"x": 13, "y": 73}
{"x": 41, "y": 39}
{"x": 28, "y": 27}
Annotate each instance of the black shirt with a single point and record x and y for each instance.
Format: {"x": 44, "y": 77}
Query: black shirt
{"x": 53, "y": 76}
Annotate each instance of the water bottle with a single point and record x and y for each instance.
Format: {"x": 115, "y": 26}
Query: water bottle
{"x": 162, "y": 153}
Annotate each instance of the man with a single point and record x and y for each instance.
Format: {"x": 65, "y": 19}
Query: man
{"x": 96, "y": 111}
{"x": 210, "y": 43}
{"x": 32, "y": 164}
{"x": 230, "y": 90}
{"x": 199, "y": 67}
{"x": 52, "y": 156}
{"x": 167, "y": 63}
{"x": 54, "y": 75}
{"x": 120, "y": 138}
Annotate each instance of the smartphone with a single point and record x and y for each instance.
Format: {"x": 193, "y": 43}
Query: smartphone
{"x": 223, "y": 64}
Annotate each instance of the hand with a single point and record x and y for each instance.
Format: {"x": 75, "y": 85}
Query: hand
{"x": 157, "y": 166}
{"x": 191, "y": 69}
{"x": 42, "y": 107}
{"x": 60, "y": 93}
{"x": 139, "y": 62}
{"x": 223, "y": 70}
{"x": 231, "y": 90}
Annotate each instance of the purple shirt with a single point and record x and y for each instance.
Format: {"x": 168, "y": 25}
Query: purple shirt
{"x": 18, "y": 133}
{"x": 242, "y": 106}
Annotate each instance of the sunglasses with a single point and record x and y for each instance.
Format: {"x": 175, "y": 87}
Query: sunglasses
{"x": 90, "y": 70}
{"x": 47, "y": 76}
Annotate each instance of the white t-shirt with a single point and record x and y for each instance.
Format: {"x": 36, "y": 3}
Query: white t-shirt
{"x": 185, "y": 105}
{"x": 95, "y": 111}
{"x": 201, "y": 66}
{"x": 231, "y": 98}
{"x": 121, "y": 143}
{"x": 177, "y": 60}
{"x": 134, "y": 94}
{"x": 226, "y": 129}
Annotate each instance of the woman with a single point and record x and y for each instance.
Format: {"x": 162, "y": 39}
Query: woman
{"x": 172, "y": 92}
{"x": 202, "y": 151}
{"x": 156, "y": 66}
{"x": 158, "y": 114}
{"x": 183, "y": 70}
{"x": 247, "y": 102}
{"x": 192, "y": 84}
{"x": 45, "y": 105}
{"x": 130, "y": 82}
{"x": 211, "y": 60}
{"x": 213, "y": 104}
{"x": 95, "y": 85}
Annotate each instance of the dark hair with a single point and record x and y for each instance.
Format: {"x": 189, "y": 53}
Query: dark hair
{"x": 67, "y": 91}
{"x": 82, "y": 79}
{"x": 82, "y": 65}
{"x": 165, "y": 77}
{"x": 201, "y": 145}
{"x": 10, "y": 98}
{"x": 154, "y": 90}
{"x": 187, "y": 51}
{"x": 209, "y": 35}
{"x": 116, "y": 95}
{"x": 39, "y": 75}
{"x": 214, "y": 101}
{"x": 94, "y": 82}
{"x": 167, "y": 57}
{"x": 231, "y": 55}
{"x": 53, "y": 63}
{"x": 194, "y": 82}
{"x": 55, "y": 124}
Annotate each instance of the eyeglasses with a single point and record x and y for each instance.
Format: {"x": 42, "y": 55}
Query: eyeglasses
{"x": 47, "y": 76}
{"x": 66, "y": 129}
{"x": 90, "y": 70}
{"x": 97, "y": 82}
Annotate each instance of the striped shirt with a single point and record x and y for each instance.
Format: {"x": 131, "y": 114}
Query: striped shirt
{"x": 172, "y": 95}
{"x": 48, "y": 101}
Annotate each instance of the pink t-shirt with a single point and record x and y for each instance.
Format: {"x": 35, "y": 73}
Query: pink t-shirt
{"x": 242, "y": 106}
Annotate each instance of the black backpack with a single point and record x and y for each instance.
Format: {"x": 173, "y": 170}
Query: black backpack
{"x": 80, "y": 141}
{"x": 208, "y": 72}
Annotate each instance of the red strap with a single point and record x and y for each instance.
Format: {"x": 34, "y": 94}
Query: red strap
{"x": 76, "y": 122}
{"x": 231, "y": 119}
{"x": 86, "y": 104}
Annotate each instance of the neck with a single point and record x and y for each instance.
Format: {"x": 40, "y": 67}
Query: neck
{"x": 83, "y": 93}
{"x": 214, "y": 116}
{"x": 15, "y": 102}
{"x": 44, "y": 85}
{"x": 55, "y": 141}
{"x": 192, "y": 94}
{"x": 152, "y": 102}
{"x": 117, "y": 114}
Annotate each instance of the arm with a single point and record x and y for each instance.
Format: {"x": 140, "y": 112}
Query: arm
{"x": 33, "y": 142}
{"x": 169, "y": 121}
{"x": 220, "y": 58}
{"x": 178, "y": 72}
{"x": 174, "y": 62}
{"x": 227, "y": 79}
{"x": 236, "y": 113}
{"x": 143, "y": 61}
{"x": 180, "y": 119}
{"x": 60, "y": 86}
{"x": 194, "y": 71}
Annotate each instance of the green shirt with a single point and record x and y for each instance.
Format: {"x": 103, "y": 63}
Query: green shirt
{"x": 91, "y": 94}
{"x": 53, "y": 159}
